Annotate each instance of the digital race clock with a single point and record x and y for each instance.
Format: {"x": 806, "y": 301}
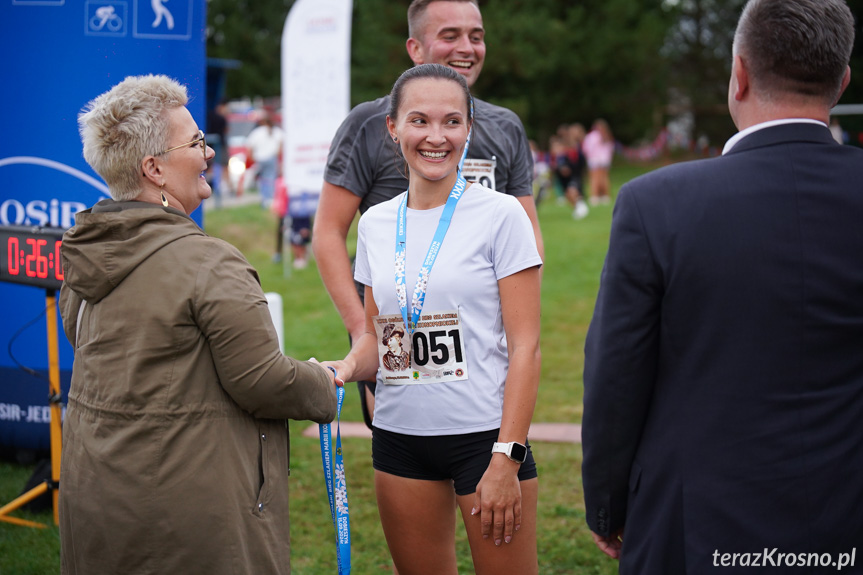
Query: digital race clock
{"x": 31, "y": 255}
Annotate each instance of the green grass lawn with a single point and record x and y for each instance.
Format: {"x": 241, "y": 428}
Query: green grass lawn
{"x": 575, "y": 251}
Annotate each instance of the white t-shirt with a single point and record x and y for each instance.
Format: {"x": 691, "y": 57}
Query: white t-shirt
{"x": 264, "y": 143}
{"x": 490, "y": 238}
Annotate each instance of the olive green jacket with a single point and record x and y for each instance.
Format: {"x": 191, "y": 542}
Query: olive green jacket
{"x": 175, "y": 439}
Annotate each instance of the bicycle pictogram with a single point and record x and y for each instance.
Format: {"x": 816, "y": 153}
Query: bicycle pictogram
{"x": 106, "y": 17}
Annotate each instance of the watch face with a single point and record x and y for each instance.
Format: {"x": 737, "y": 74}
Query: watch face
{"x": 518, "y": 452}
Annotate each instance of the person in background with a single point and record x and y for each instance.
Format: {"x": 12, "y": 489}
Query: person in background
{"x": 723, "y": 379}
{"x": 301, "y": 232}
{"x": 363, "y": 167}
{"x": 217, "y": 129}
{"x": 279, "y": 208}
{"x": 598, "y": 147}
{"x": 569, "y": 163}
{"x": 264, "y": 145}
{"x": 542, "y": 183}
{"x": 575, "y": 141}
{"x": 175, "y": 439}
{"x": 836, "y": 130}
{"x": 452, "y": 428}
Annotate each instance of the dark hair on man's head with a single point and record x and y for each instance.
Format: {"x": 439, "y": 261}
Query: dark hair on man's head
{"x": 417, "y": 12}
{"x": 796, "y": 47}
{"x": 436, "y": 71}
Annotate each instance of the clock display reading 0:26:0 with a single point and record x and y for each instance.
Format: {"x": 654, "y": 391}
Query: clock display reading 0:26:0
{"x": 31, "y": 256}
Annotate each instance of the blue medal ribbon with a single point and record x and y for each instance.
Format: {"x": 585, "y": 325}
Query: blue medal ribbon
{"x": 337, "y": 489}
{"x": 431, "y": 256}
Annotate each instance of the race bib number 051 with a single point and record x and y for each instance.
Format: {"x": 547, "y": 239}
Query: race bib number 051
{"x": 434, "y": 353}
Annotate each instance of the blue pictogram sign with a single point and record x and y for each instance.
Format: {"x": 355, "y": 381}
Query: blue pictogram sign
{"x": 107, "y": 18}
{"x": 164, "y": 19}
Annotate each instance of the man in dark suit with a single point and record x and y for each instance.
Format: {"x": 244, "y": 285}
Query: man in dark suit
{"x": 723, "y": 403}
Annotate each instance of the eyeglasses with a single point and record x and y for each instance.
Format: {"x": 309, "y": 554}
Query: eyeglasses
{"x": 200, "y": 139}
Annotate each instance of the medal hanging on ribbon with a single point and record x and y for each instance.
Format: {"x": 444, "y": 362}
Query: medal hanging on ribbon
{"x": 337, "y": 489}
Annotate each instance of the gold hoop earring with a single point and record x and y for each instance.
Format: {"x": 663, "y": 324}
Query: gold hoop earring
{"x": 162, "y": 193}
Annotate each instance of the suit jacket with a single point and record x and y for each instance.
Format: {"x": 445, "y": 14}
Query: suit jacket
{"x": 723, "y": 402}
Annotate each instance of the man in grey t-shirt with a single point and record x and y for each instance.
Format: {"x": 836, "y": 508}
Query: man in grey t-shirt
{"x": 364, "y": 167}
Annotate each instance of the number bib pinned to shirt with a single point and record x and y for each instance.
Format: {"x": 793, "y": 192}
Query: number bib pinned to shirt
{"x": 434, "y": 353}
{"x": 480, "y": 171}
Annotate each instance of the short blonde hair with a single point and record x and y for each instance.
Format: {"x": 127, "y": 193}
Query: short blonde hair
{"x": 125, "y": 124}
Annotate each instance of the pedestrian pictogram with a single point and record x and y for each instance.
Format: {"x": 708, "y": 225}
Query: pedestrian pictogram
{"x": 162, "y": 12}
{"x": 163, "y": 19}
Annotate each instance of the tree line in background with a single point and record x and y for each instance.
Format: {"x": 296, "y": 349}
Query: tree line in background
{"x": 635, "y": 63}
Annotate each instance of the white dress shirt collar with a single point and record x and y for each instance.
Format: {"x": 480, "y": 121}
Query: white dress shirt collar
{"x": 740, "y": 135}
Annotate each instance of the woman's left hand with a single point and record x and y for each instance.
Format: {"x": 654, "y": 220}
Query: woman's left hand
{"x": 498, "y": 500}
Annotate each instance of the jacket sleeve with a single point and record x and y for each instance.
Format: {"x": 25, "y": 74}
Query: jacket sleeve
{"x": 232, "y": 312}
{"x": 621, "y": 357}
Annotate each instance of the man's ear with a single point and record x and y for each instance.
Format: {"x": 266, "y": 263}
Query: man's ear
{"x": 741, "y": 77}
{"x": 415, "y": 51}
{"x": 846, "y": 79}
{"x": 152, "y": 170}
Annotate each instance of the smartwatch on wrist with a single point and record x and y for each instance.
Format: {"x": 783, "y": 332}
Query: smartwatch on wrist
{"x": 514, "y": 450}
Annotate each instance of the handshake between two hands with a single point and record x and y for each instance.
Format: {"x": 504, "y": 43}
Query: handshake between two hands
{"x": 330, "y": 366}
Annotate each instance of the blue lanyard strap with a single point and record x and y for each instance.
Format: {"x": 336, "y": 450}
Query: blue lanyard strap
{"x": 431, "y": 256}
{"x": 337, "y": 489}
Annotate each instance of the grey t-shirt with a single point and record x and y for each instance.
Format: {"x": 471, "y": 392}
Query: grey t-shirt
{"x": 364, "y": 159}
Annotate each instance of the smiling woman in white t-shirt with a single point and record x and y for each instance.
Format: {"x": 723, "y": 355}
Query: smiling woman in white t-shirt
{"x": 452, "y": 426}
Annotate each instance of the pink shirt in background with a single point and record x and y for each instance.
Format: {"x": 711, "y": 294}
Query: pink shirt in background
{"x": 597, "y": 152}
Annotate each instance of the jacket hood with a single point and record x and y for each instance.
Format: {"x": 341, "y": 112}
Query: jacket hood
{"x": 112, "y": 238}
